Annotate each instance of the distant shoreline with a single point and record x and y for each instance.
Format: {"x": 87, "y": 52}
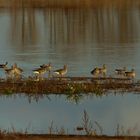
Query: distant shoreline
{"x": 67, "y": 3}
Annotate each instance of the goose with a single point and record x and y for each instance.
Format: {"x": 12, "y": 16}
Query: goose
{"x": 95, "y": 72}
{"x": 17, "y": 71}
{"x": 99, "y": 71}
{"x": 103, "y": 70}
{"x": 62, "y": 71}
{"x": 3, "y": 65}
{"x": 48, "y": 67}
{"x": 9, "y": 72}
{"x": 130, "y": 74}
{"x": 120, "y": 71}
{"x": 40, "y": 72}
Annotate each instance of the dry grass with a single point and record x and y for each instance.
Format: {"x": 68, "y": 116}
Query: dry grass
{"x": 66, "y": 86}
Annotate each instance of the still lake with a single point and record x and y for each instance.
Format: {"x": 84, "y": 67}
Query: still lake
{"x": 82, "y": 39}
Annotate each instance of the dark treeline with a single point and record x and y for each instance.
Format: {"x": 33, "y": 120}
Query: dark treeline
{"x": 67, "y": 3}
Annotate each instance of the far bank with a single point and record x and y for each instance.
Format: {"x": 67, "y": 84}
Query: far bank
{"x": 67, "y": 3}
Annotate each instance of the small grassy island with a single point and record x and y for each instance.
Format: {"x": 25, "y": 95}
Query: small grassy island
{"x": 74, "y": 88}
{"x": 98, "y": 83}
{"x": 68, "y": 85}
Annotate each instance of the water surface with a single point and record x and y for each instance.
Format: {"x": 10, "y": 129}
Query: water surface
{"x": 82, "y": 39}
{"x": 36, "y": 116}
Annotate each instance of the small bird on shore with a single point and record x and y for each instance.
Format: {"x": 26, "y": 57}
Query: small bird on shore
{"x": 130, "y": 74}
{"x": 62, "y": 71}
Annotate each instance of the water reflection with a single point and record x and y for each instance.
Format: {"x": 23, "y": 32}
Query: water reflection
{"x": 77, "y": 37}
{"x": 109, "y": 112}
{"x": 71, "y": 26}
{"x": 23, "y": 26}
{"x": 75, "y": 98}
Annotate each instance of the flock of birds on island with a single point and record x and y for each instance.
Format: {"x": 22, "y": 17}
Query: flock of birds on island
{"x": 16, "y": 72}
{"x": 121, "y": 72}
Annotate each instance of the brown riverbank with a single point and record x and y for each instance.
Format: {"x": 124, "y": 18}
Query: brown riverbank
{"x": 68, "y": 3}
{"x": 65, "y": 137}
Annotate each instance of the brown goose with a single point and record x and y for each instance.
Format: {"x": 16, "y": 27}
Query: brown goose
{"x": 103, "y": 70}
{"x": 39, "y": 71}
{"x": 95, "y": 72}
{"x": 48, "y": 67}
{"x": 9, "y": 72}
{"x": 130, "y": 74}
{"x": 120, "y": 71}
{"x": 3, "y": 65}
{"x": 62, "y": 71}
{"x": 99, "y": 71}
{"x": 17, "y": 71}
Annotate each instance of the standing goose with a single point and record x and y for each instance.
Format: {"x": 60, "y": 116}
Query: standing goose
{"x": 130, "y": 74}
{"x": 103, "y": 70}
{"x": 48, "y": 68}
{"x": 99, "y": 71}
{"x": 17, "y": 71}
{"x": 9, "y": 72}
{"x": 95, "y": 72}
{"x": 120, "y": 71}
{"x": 3, "y": 65}
{"x": 40, "y": 72}
{"x": 62, "y": 71}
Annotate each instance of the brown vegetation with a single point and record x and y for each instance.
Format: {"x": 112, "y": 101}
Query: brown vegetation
{"x": 67, "y": 85}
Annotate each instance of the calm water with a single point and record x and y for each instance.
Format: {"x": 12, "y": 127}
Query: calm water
{"x": 82, "y": 39}
{"x": 36, "y": 116}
